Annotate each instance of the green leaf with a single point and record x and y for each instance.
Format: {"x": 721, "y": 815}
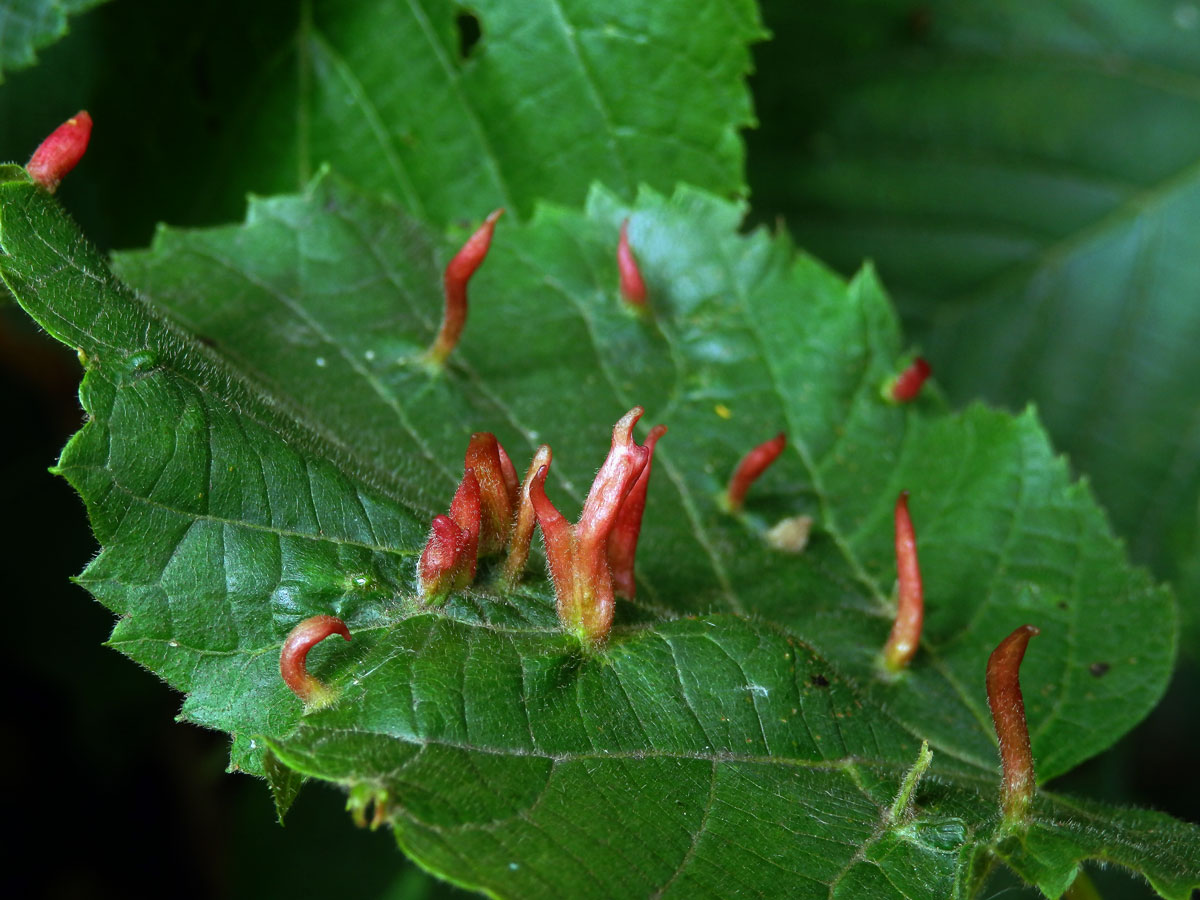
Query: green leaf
{"x": 28, "y": 25}
{"x": 1166, "y": 850}
{"x": 285, "y": 784}
{"x": 553, "y": 96}
{"x": 1027, "y": 179}
{"x": 256, "y": 97}
{"x": 264, "y": 445}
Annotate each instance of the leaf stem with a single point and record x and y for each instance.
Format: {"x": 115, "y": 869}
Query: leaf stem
{"x": 902, "y": 805}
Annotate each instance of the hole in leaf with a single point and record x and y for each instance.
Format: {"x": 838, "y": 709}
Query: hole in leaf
{"x": 469, "y": 33}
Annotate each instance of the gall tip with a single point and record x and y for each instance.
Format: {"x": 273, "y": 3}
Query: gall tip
{"x": 59, "y": 153}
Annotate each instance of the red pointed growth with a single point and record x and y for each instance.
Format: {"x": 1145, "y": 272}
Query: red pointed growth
{"x": 623, "y": 540}
{"x": 61, "y": 151}
{"x": 907, "y": 385}
{"x": 578, "y": 554}
{"x": 1008, "y": 715}
{"x": 485, "y": 459}
{"x": 753, "y": 464}
{"x": 559, "y": 539}
{"x": 522, "y": 532}
{"x": 293, "y": 659}
{"x": 633, "y": 286}
{"x": 509, "y": 471}
{"x": 593, "y": 578}
{"x": 902, "y": 643}
{"x": 467, "y": 512}
{"x": 438, "y": 566}
{"x": 458, "y": 273}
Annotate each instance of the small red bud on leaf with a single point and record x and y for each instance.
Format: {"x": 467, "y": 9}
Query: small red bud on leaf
{"x": 905, "y": 387}
{"x": 497, "y": 490}
{"x": 452, "y": 552}
{"x": 902, "y": 643}
{"x": 522, "y": 531}
{"x": 458, "y": 273}
{"x": 1008, "y": 715}
{"x": 61, "y": 151}
{"x": 633, "y": 287}
{"x": 578, "y": 555}
{"x": 437, "y": 569}
{"x": 753, "y": 464}
{"x": 293, "y": 660}
{"x": 623, "y": 541}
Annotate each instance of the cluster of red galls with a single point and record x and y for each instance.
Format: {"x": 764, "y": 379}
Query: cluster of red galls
{"x": 592, "y": 561}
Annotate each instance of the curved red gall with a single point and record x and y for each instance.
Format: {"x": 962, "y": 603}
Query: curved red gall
{"x": 559, "y": 538}
{"x": 454, "y": 281}
{"x": 521, "y": 538}
{"x": 509, "y": 470}
{"x": 58, "y": 154}
{"x": 1008, "y": 716}
{"x": 905, "y": 636}
{"x": 623, "y": 539}
{"x": 753, "y": 464}
{"x": 486, "y": 459}
{"x": 293, "y": 659}
{"x": 578, "y": 554}
{"x": 633, "y": 286}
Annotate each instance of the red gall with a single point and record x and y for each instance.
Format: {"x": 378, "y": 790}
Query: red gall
{"x": 293, "y": 659}
{"x": 753, "y": 464}
{"x": 458, "y": 273}
{"x": 1008, "y": 716}
{"x": 633, "y": 286}
{"x": 905, "y": 636}
{"x": 61, "y": 151}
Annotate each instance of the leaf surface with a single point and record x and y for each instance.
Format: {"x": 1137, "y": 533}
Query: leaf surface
{"x": 1027, "y": 178}
{"x": 28, "y": 25}
{"x": 255, "y": 98}
{"x": 263, "y": 446}
{"x": 554, "y": 95}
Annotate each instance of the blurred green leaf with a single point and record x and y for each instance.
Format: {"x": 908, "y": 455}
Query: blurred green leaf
{"x": 192, "y": 112}
{"x": 1027, "y": 179}
{"x": 28, "y": 25}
